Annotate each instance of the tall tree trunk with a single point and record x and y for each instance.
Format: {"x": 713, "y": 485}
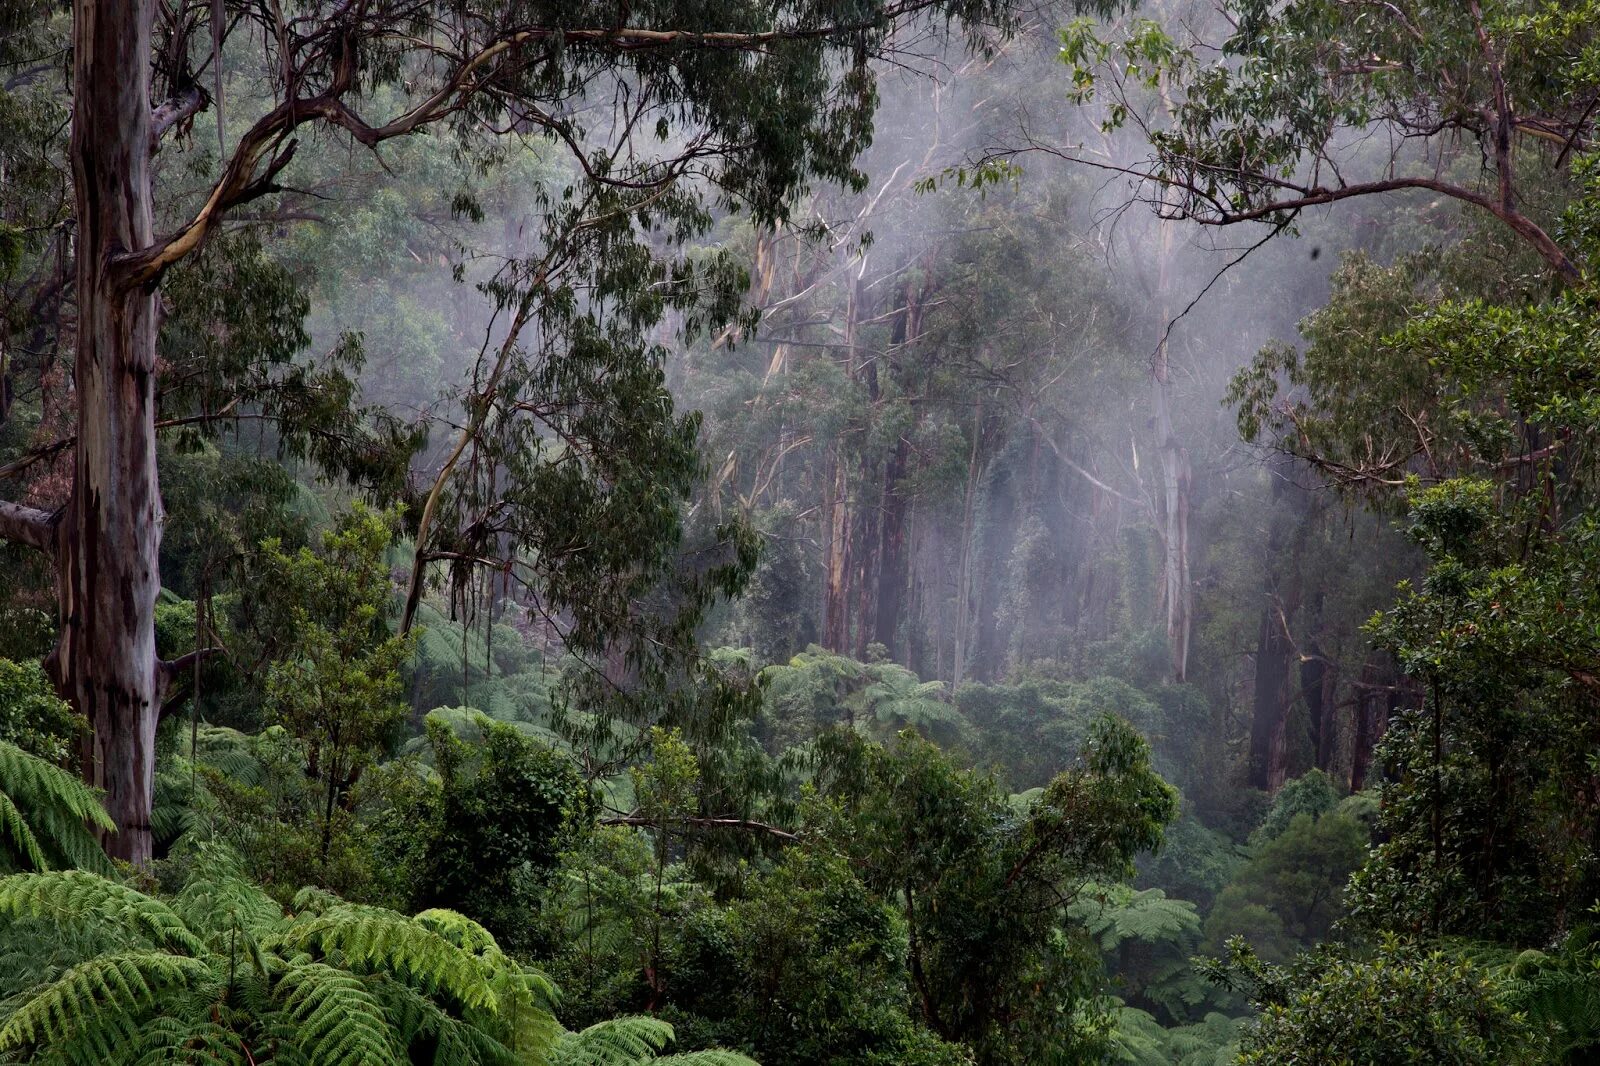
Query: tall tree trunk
{"x": 964, "y": 570}
{"x": 868, "y": 525}
{"x": 836, "y": 556}
{"x": 1275, "y": 651}
{"x": 1273, "y": 694}
{"x": 1369, "y": 699}
{"x": 891, "y": 576}
{"x": 1319, "y": 688}
{"x": 1176, "y": 592}
{"x": 110, "y": 535}
{"x": 893, "y": 561}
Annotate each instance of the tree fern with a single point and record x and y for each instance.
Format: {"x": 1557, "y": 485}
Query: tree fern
{"x": 223, "y": 975}
{"x": 109, "y": 984}
{"x": 613, "y": 1043}
{"x": 1558, "y": 990}
{"x": 77, "y": 897}
{"x": 1115, "y": 913}
{"x": 371, "y": 939}
{"x": 47, "y": 816}
{"x": 627, "y": 1041}
{"x": 336, "y": 1020}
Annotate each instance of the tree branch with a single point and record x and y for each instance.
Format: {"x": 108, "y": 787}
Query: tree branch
{"x": 702, "y": 823}
{"x": 179, "y": 109}
{"x": 240, "y": 182}
{"x": 28, "y": 525}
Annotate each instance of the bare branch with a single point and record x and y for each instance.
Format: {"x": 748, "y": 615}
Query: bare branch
{"x": 700, "y": 823}
{"x": 28, "y": 525}
{"x": 175, "y": 112}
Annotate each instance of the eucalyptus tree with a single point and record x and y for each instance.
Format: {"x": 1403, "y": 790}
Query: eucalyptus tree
{"x": 1277, "y": 112}
{"x": 668, "y": 113}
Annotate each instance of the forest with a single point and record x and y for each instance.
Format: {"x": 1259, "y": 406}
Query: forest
{"x": 879, "y": 532}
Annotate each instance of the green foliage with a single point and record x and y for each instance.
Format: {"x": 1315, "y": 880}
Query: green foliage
{"x": 1312, "y": 794}
{"x": 1403, "y": 1003}
{"x": 1481, "y": 813}
{"x": 489, "y": 667}
{"x": 33, "y": 717}
{"x": 624, "y": 1041}
{"x": 48, "y": 817}
{"x": 333, "y": 680}
{"x": 508, "y": 808}
{"x": 225, "y": 972}
{"x": 819, "y": 965}
{"x": 1558, "y": 990}
{"x": 981, "y": 888}
{"x": 1147, "y": 940}
{"x": 1138, "y": 1038}
{"x": 1287, "y": 895}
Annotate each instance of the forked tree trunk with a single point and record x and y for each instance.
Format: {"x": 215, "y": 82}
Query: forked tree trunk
{"x": 110, "y": 536}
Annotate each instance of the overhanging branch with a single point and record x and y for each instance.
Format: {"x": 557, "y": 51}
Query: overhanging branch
{"x": 701, "y": 823}
{"x": 28, "y": 525}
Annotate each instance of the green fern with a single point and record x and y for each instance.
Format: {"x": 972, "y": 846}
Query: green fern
{"x": 336, "y": 1020}
{"x": 628, "y": 1041}
{"x": 1558, "y": 990}
{"x": 619, "y": 1042}
{"x": 371, "y": 939}
{"x": 221, "y": 974}
{"x": 1115, "y": 913}
{"x": 110, "y": 984}
{"x": 47, "y": 816}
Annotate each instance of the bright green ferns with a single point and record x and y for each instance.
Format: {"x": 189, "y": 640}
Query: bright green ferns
{"x": 624, "y": 1041}
{"x": 221, "y": 973}
{"x": 46, "y": 815}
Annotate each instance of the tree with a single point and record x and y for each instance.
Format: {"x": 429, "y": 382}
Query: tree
{"x": 334, "y": 677}
{"x": 983, "y": 890}
{"x": 508, "y": 809}
{"x": 1402, "y": 1004}
{"x": 1487, "y": 816}
{"x": 747, "y": 108}
{"x": 1268, "y": 133}
{"x": 1286, "y": 897}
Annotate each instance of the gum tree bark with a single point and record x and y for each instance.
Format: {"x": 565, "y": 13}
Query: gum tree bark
{"x": 109, "y": 536}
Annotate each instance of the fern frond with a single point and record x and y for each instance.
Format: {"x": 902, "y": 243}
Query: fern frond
{"x": 372, "y": 938}
{"x": 336, "y": 1021}
{"x": 226, "y": 904}
{"x": 37, "y": 783}
{"x": 104, "y": 987}
{"x": 77, "y": 897}
{"x": 164, "y": 1040}
{"x": 70, "y": 841}
{"x": 460, "y": 930}
{"x": 713, "y": 1057}
{"x": 14, "y": 828}
{"x": 617, "y": 1042}
{"x": 525, "y": 1021}
{"x": 45, "y": 809}
{"x": 314, "y": 900}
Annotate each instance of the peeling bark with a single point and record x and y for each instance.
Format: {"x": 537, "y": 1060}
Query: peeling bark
{"x": 109, "y": 538}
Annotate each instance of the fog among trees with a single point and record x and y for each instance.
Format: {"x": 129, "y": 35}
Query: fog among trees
{"x": 919, "y": 532}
